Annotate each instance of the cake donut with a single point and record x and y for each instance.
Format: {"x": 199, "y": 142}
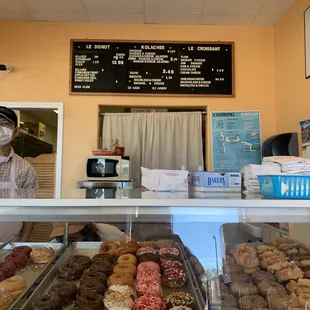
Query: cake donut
{"x": 24, "y": 249}
{"x": 83, "y": 307}
{"x": 104, "y": 266}
{"x": 6, "y": 301}
{"x": 243, "y": 289}
{"x": 42, "y": 255}
{"x": 114, "y": 300}
{"x": 147, "y": 244}
{"x": 67, "y": 291}
{"x": 120, "y": 279}
{"x": 127, "y": 240}
{"x": 148, "y": 265}
{"x": 239, "y": 277}
{"x": 127, "y": 259}
{"x": 108, "y": 247}
{"x": 174, "y": 277}
{"x": 70, "y": 272}
{"x": 266, "y": 288}
{"x": 165, "y": 244}
{"x": 48, "y": 302}
{"x": 94, "y": 276}
{"x": 168, "y": 254}
{"x": 262, "y": 275}
{"x": 92, "y": 286}
{"x": 92, "y": 300}
{"x": 129, "y": 248}
{"x": 8, "y": 268}
{"x": 282, "y": 302}
{"x": 125, "y": 268}
{"x": 252, "y": 302}
{"x": 149, "y": 302}
{"x": 150, "y": 288}
{"x": 147, "y": 250}
{"x": 124, "y": 289}
{"x": 82, "y": 260}
{"x": 98, "y": 258}
{"x": 18, "y": 258}
{"x": 180, "y": 299}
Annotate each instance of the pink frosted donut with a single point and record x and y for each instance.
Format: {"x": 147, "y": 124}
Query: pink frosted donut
{"x": 142, "y": 251}
{"x": 149, "y": 288}
{"x": 145, "y": 275}
{"x": 149, "y": 265}
{"x": 149, "y": 302}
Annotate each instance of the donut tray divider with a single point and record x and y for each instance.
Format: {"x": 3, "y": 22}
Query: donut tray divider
{"x": 31, "y": 273}
{"x": 92, "y": 248}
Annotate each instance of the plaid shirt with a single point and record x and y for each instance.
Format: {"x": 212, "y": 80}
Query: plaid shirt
{"x": 25, "y": 177}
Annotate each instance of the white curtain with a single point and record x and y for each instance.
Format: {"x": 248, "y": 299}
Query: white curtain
{"x": 156, "y": 140}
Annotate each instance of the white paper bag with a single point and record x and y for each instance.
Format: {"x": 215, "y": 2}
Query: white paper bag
{"x": 165, "y": 180}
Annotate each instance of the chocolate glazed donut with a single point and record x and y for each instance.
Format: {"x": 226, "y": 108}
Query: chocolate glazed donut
{"x": 67, "y": 291}
{"x": 70, "y": 272}
{"x": 48, "y": 302}
{"x": 92, "y": 300}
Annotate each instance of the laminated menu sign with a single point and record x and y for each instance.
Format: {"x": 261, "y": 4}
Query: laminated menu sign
{"x": 99, "y": 67}
{"x": 236, "y": 140}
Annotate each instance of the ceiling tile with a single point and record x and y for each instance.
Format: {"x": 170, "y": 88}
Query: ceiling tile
{"x": 265, "y": 20}
{"x": 54, "y": 5}
{"x": 174, "y": 6}
{"x": 69, "y": 17}
{"x": 115, "y": 6}
{"x": 15, "y": 15}
{"x": 276, "y": 7}
{"x": 175, "y": 19}
{"x": 227, "y": 20}
{"x": 116, "y": 18}
{"x": 233, "y": 7}
{"x": 9, "y": 5}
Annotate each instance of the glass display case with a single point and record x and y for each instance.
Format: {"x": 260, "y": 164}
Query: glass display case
{"x": 222, "y": 242}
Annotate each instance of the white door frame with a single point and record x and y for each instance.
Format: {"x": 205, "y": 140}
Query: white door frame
{"x": 47, "y": 105}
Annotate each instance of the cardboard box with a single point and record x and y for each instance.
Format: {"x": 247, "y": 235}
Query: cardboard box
{"x": 203, "y": 181}
{"x": 36, "y": 128}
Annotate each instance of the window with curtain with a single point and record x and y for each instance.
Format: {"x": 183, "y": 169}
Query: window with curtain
{"x": 156, "y": 140}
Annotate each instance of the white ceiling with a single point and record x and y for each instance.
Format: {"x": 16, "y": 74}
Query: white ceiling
{"x": 188, "y": 12}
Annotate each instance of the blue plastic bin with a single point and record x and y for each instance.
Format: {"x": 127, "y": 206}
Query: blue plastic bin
{"x": 285, "y": 186}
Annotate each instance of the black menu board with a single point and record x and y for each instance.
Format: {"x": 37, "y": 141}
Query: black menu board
{"x": 99, "y": 67}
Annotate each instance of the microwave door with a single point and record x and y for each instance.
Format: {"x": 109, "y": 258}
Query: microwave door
{"x": 103, "y": 168}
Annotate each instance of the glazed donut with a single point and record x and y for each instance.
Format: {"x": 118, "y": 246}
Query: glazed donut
{"x": 252, "y": 302}
{"x": 92, "y": 286}
{"x": 262, "y": 275}
{"x": 148, "y": 265}
{"x": 2, "y": 276}
{"x": 282, "y": 302}
{"x": 129, "y": 248}
{"x": 103, "y": 258}
{"x": 127, "y": 240}
{"x": 18, "y": 258}
{"x": 70, "y": 272}
{"x": 108, "y": 247}
{"x": 239, "y": 277}
{"x": 115, "y": 300}
{"x": 228, "y": 300}
{"x": 93, "y": 300}
{"x": 103, "y": 266}
{"x": 243, "y": 289}
{"x": 152, "y": 288}
{"x": 147, "y": 244}
{"x": 6, "y": 302}
{"x": 8, "y": 268}
{"x": 25, "y": 249}
{"x": 125, "y": 268}
{"x": 94, "y": 276}
{"x": 142, "y": 251}
{"x": 127, "y": 259}
{"x": 48, "y": 302}
{"x": 82, "y": 260}
{"x": 120, "y": 279}
{"x": 67, "y": 291}
{"x": 149, "y": 302}
{"x": 180, "y": 299}
{"x": 165, "y": 244}
{"x": 13, "y": 286}
{"x": 267, "y": 288}
{"x": 83, "y": 307}
{"x": 42, "y": 255}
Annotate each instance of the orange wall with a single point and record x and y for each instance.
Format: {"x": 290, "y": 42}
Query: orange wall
{"x": 292, "y": 89}
{"x": 39, "y": 53}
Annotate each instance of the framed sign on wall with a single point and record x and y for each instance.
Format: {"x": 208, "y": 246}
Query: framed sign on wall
{"x": 307, "y": 42}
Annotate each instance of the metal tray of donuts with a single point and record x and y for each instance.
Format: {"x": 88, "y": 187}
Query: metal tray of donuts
{"x": 31, "y": 273}
{"x": 90, "y": 249}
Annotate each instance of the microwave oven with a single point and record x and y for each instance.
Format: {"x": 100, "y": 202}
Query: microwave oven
{"x": 108, "y": 168}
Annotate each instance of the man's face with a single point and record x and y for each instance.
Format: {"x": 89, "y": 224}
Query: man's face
{"x": 6, "y": 123}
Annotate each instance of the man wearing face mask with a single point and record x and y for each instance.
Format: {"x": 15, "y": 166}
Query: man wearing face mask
{"x": 15, "y": 173}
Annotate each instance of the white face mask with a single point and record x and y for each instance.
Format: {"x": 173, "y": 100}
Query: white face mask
{"x": 6, "y": 135}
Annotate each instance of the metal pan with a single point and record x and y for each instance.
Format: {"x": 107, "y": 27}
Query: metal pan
{"x": 90, "y": 249}
{"x": 31, "y": 273}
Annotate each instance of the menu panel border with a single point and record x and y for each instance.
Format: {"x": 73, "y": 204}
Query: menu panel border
{"x": 72, "y": 41}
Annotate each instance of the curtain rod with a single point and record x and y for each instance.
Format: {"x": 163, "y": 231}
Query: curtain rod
{"x": 202, "y": 112}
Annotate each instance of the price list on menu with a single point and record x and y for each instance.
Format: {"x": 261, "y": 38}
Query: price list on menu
{"x": 152, "y": 68}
